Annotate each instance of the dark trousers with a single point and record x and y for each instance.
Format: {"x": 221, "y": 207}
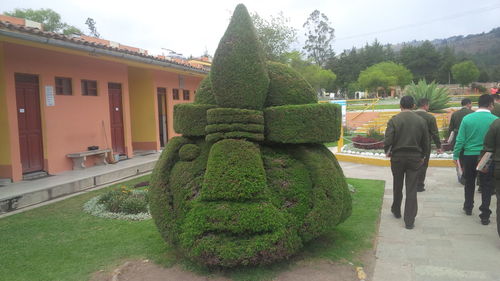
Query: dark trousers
{"x": 497, "y": 187}
{"x": 486, "y": 183}
{"x": 405, "y": 170}
{"x": 422, "y": 171}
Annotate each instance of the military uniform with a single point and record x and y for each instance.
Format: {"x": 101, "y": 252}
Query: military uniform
{"x": 492, "y": 144}
{"x": 434, "y": 135}
{"x": 456, "y": 119}
{"x": 496, "y": 110}
{"x": 407, "y": 143}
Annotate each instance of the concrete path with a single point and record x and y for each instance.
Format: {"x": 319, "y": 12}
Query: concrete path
{"x": 445, "y": 245}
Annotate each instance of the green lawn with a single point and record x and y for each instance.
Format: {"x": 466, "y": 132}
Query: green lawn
{"x": 60, "y": 242}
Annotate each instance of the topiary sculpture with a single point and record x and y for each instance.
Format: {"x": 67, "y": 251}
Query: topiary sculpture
{"x": 249, "y": 182}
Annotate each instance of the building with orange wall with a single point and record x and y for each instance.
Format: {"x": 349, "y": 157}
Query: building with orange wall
{"x": 61, "y": 94}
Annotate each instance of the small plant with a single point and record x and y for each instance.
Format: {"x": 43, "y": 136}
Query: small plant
{"x": 120, "y": 203}
{"x": 124, "y": 200}
{"x": 375, "y": 134}
{"x": 438, "y": 97}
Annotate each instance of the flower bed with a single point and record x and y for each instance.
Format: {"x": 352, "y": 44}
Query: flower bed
{"x": 119, "y": 203}
{"x": 367, "y": 142}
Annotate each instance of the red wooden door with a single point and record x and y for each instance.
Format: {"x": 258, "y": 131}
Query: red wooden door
{"x": 115, "y": 109}
{"x": 29, "y": 122}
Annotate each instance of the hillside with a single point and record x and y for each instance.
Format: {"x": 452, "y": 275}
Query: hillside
{"x": 483, "y": 48}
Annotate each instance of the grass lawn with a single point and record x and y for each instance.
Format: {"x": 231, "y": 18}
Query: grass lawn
{"x": 60, "y": 242}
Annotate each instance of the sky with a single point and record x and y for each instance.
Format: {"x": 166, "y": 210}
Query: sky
{"x": 191, "y": 27}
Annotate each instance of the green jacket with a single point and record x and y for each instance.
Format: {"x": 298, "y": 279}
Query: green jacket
{"x": 492, "y": 140}
{"x": 431, "y": 125}
{"x": 407, "y": 135}
{"x": 471, "y": 134}
{"x": 456, "y": 120}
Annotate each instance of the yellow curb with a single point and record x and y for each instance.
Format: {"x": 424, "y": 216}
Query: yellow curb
{"x": 386, "y": 162}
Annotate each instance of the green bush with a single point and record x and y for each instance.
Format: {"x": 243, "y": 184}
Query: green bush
{"x": 239, "y": 71}
{"x": 190, "y": 119}
{"x": 189, "y": 152}
{"x": 306, "y": 123}
{"x": 287, "y": 86}
{"x": 234, "y": 198}
{"x": 304, "y": 195}
{"x": 125, "y": 201}
{"x": 438, "y": 97}
{"x": 234, "y": 115}
{"x": 204, "y": 93}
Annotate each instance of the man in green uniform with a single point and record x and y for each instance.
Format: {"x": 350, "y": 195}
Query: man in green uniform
{"x": 470, "y": 140}
{"x": 456, "y": 120}
{"x": 407, "y": 143}
{"x": 422, "y": 111}
{"x": 492, "y": 144}
{"x": 496, "y": 109}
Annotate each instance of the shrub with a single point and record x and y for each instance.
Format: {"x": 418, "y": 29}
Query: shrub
{"x": 204, "y": 93}
{"x": 307, "y": 123}
{"x": 438, "y": 97}
{"x": 124, "y": 200}
{"x": 190, "y": 119}
{"x": 239, "y": 72}
{"x": 189, "y": 152}
{"x": 287, "y": 86}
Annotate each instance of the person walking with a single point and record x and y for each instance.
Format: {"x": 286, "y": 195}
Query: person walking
{"x": 406, "y": 143}
{"x": 455, "y": 121}
{"x": 492, "y": 144}
{"x": 496, "y": 108}
{"x": 423, "y": 111}
{"x": 470, "y": 140}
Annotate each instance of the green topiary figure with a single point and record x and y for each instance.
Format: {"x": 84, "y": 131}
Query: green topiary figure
{"x": 249, "y": 182}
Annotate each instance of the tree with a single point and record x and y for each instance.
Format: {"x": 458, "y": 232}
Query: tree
{"x": 319, "y": 35}
{"x": 90, "y": 22}
{"x": 423, "y": 60}
{"x": 448, "y": 59}
{"x": 275, "y": 35}
{"x": 50, "y": 19}
{"x": 318, "y": 77}
{"x": 465, "y": 72}
{"x": 349, "y": 64}
{"x": 384, "y": 75}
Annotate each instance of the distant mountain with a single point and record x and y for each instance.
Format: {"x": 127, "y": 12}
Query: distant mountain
{"x": 483, "y": 48}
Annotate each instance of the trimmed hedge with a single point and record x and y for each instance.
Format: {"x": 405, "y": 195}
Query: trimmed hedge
{"x": 189, "y": 152}
{"x": 239, "y": 71}
{"x": 306, "y": 123}
{"x": 287, "y": 86}
{"x": 304, "y": 195}
{"x": 204, "y": 93}
{"x": 190, "y": 119}
{"x": 234, "y": 172}
{"x": 234, "y": 115}
{"x": 258, "y": 137}
{"x": 252, "y": 128}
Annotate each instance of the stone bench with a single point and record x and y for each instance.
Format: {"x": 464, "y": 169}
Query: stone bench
{"x": 80, "y": 157}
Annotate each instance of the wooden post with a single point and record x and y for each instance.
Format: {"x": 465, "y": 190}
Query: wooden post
{"x": 340, "y": 143}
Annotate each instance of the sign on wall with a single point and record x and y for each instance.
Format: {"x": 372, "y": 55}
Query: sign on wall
{"x": 49, "y": 96}
{"x": 343, "y": 104}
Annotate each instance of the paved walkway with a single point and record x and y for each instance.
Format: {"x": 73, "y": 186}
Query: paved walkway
{"x": 445, "y": 245}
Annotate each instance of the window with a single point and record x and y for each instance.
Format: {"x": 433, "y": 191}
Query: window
{"x": 63, "y": 86}
{"x": 175, "y": 94}
{"x": 89, "y": 88}
{"x": 185, "y": 94}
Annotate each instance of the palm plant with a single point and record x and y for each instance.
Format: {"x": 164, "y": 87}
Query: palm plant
{"x": 438, "y": 97}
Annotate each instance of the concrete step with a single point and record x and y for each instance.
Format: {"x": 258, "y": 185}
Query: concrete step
{"x": 35, "y": 175}
{"x": 4, "y": 182}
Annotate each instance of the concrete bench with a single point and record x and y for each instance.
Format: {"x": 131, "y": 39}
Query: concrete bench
{"x": 80, "y": 157}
